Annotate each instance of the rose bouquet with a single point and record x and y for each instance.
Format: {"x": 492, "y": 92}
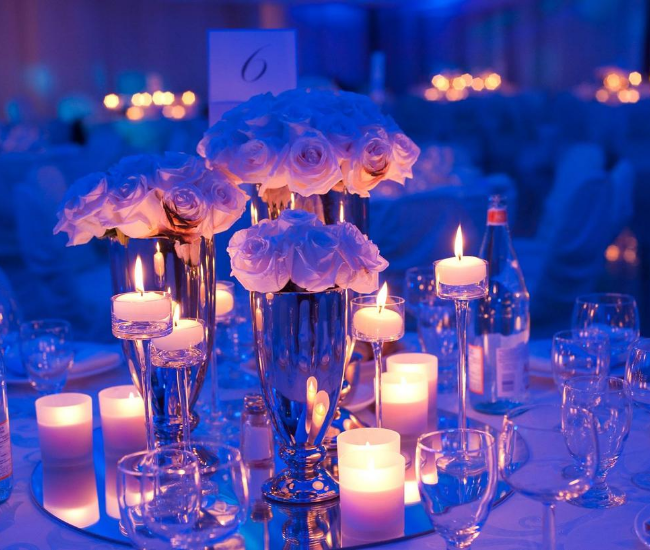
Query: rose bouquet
{"x": 298, "y": 252}
{"x": 144, "y": 196}
{"x": 309, "y": 142}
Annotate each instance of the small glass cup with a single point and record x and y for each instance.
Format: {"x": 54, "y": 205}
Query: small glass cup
{"x": 615, "y": 314}
{"x": 579, "y": 352}
{"x": 46, "y": 348}
{"x": 606, "y": 397}
{"x": 457, "y": 475}
{"x": 438, "y": 335}
{"x": 419, "y": 287}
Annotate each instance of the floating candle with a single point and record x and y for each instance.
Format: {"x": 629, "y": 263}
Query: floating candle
{"x": 460, "y": 270}
{"x": 378, "y": 322}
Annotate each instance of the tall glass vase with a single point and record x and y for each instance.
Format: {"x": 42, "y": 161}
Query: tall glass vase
{"x": 189, "y": 273}
{"x": 300, "y": 342}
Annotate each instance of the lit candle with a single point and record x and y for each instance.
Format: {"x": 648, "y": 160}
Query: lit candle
{"x": 141, "y": 306}
{"x": 123, "y": 427}
{"x": 418, "y": 363}
{"x": 70, "y": 494}
{"x": 312, "y": 389}
{"x": 367, "y": 440}
{"x": 404, "y": 398}
{"x": 377, "y": 323}
{"x": 224, "y": 300}
{"x": 159, "y": 262}
{"x": 371, "y": 489}
{"x": 321, "y": 408}
{"x": 460, "y": 270}
{"x": 186, "y": 334}
{"x": 65, "y": 427}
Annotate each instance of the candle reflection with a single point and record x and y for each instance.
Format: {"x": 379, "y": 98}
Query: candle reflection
{"x": 70, "y": 494}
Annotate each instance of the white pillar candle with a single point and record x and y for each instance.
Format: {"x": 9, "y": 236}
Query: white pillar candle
{"x": 70, "y": 494}
{"x": 367, "y": 440}
{"x": 460, "y": 270}
{"x": 123, "y": 428}
{"x": 65, "y": 427}
{"x": 225, "y": 301}
{"x": 372, "y": 496}
{"x": 376, "y": 324}
{"x": 186, "y": 334}
{"x": 404, "y": 398}
{"x": 159, "y": 262}
{"x": 418, "y": 363}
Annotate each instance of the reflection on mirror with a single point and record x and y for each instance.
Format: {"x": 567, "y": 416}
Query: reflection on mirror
{"x": 70, "y": 494}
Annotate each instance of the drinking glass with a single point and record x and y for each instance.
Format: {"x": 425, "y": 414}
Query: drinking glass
{"x": 419, "y": 286}
{"x": 438, "y": 335}
{"x": 637, "y": 376}
{"x": 456, "y": 472}
{"x": 579, "y": 352}
{"x": 607, "y": 398}
{"x": 540, "y": 446}
{"x": 615, "y": 314}
{"x": 47, "y": 353}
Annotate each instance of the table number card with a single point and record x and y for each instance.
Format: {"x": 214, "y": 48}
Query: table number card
{"x": 244, "y": 63}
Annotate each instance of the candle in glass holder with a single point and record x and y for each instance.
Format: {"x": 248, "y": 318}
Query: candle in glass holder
{"x": 65, "y": 427}
{"x": 404, "y": 398}
{"x": 377, "y": 322}
{"x": 418, "y": 363}
{"x": 159, "y": 262}
{"x": 225, "y": 301}
{"x": 371, "y": 489}
{"x": 123, "y": 428}
{"x": 460, "y": 270}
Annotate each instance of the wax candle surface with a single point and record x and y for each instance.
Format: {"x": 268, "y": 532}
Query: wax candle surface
{"x": 418, "y": 363}
{"x": 367, "y": 440}
{"x": 186, "y": 333}
{"x": 142, "y": 306}
{"x": 372, "y": 496}
{"x": 65, "y": 427}
{"x": 123, "y": 428}
{"x": 374, "y": 324}
{"x": 404, "y": 398}
{"x": 224, "y": 300}
{"x": 469, "y": 270}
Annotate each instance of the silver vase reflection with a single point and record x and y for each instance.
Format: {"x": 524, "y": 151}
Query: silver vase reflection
{"x": 300, "y": 342}
{"x": 191, "y": 281}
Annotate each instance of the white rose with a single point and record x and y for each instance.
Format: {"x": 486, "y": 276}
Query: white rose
{"x": 185, "y": 209}
{"x": 405, "y": 155}
{"x": 225, "y": 203}
{"x": 316, "y": 260}
{"x": 178, "y": 168}
{"x": 370, "y": 163}
{"x": 135, "y": 208}
{"x": 252, "y": 161}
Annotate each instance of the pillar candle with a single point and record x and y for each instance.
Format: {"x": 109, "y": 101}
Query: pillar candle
{"x": 367, "y": 440}
{"x": 65, "y": 427}
{"x": 418, "y": 363}
{"x": 123, "y": 428}
{"x": 159, "y": 262}
{"x": 225, "y": 302}
{"x": 404, "y": 398}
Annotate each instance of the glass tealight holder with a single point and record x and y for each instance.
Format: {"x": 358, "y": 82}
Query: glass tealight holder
{"x": 376, "y": 325}
{"x": 150, "y": 318}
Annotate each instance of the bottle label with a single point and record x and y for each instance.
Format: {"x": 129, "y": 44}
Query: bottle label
{"x": 497, "y": 216}
{"x": 511, "y": 370}
{"x": 5, "y": 451}
{"x": 476, "y": 372}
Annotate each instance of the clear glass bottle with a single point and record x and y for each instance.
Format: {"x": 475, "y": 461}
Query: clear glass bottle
{"x": 256, "y": 432}
{"x": 500, "y": 327}
{"x": 6, "y": 467}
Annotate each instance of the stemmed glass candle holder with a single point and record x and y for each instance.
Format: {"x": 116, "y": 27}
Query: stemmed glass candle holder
{"x": 141, "y": 316}
{"x": 377, "y": 319}
{"x": 183, "y": 349}
{"x": 461, "y": 279}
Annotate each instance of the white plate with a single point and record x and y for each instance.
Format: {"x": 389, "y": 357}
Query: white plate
{"x": 90, "y": 359}
{"x": 641, "y": 526}
{"x": 361, "y": 396}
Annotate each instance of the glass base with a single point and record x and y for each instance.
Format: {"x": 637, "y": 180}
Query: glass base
{"x": 284, "y": 487}
{"x": 600, "y": 498}
{"x": 500, "y": 407}
{"x": 642, "y": 480}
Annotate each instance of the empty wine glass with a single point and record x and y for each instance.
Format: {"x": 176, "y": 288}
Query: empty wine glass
{"x": 606, "y": 397}
{"x": 615, "y": 314}
{"x": 637, "y": 376}
{"x": 538, "y": 459}
{"x": 579, "y": 352}
{"x": 456, "y": 472}
{"x": 47, "y": 353}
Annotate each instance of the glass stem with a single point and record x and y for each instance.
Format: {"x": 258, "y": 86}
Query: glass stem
{"x": 143, "y": 347}
{"x": 376, "y": 349}
{"x": 181, "y": 379}
{"x": 462, "y": 309}
{"x": 548, "y": 527}
{"x": 214, "y": 384}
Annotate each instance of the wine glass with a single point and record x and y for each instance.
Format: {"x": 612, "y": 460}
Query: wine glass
{"x": 47, "y": 353}
{"x": 615, "y": 314}
{"x": 456, "y": 472}
{"x": 637, "y": 375}
{"x": 576, "y": 352}
{"x": 419, "y": 286}
{"x": 606, "y": 397}
{"x": 538, "y": 459}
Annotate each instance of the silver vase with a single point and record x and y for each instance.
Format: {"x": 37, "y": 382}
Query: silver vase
{"x": 192, "y": 283}
{"x": 300, "y": 342}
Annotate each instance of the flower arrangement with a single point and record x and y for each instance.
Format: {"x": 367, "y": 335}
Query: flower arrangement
{"x": 144, "y": 196}
{"x": 298, "y": 252}
{"x": 309, "y": 141}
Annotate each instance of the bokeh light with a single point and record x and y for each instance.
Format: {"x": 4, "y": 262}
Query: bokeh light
{"x": 188, "y": 98}
{"x": 112, "y": 101}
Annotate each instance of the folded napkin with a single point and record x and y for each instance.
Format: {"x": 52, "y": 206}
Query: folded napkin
{"x": 91, "y": 357}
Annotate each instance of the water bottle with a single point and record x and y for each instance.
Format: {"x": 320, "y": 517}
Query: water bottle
{"x": 6, "y": 469}
{"x": 500, "y": 326}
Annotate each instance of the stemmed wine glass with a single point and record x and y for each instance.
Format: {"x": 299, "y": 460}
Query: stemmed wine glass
{"x": 615, "y": 314}
{"x": 579, "y": 352}
{"x": 538, "y": 459}
{"x": 637, "y": 375}
{"x": 456, "y": 472}
{"x": 606, "y": 397}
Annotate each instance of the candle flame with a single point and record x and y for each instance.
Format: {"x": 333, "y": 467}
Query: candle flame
{"x": 458, "y": 247}
{"x": 138, "y": 276}
{"x": 381, "y": 297}
{"x": 177, "y": 312}
{"x": 320, "y": 409}
{"x": 131, "y": 396}
{"x": 169, "y": 290}
{"x": 312, "y": 384}
{"x": 158, "y": 247}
